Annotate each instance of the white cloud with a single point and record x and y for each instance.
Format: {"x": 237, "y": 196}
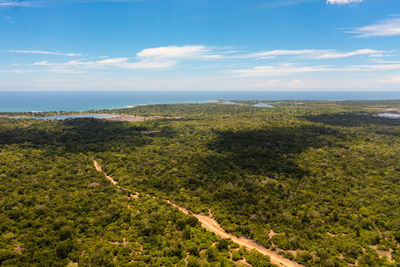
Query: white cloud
{"x": 387, "y": 27}
{"x": 378, "y": 67}
{"x": 342, "y": 2}
{"x": 271, "y": 71}
{"x": 289, "y": 69}
{"x": 386, "y": 61}
{"x": 15, "y": 71}
{"x": 274, "y": 53}
{"x": 166, "y": 57}
{"x": 171, "y": 52}
{"x": 7, "y": 3}
{"x": 112, "y": 61}
{"x": 44, "y": 53}
{"x": 74, "y": 66}
{"x": 312, "y": 53}
{"x": 169, "y": 56}
{"x": 178, "y": 52}
{"x": 41, "y": 63}
{"x": 150, "y": 65}
{"x": 149, "y": 58}
{"x": 359, "y": 52}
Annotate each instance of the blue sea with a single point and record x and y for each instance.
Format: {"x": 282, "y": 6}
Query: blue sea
{"x": 24, "y": 101}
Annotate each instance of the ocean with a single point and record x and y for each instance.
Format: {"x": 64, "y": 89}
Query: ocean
{"x": 25, "y": 101}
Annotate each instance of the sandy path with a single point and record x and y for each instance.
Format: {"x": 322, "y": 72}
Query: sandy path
{"x": 213, "y": 226}
{"x": 99, "y": 169}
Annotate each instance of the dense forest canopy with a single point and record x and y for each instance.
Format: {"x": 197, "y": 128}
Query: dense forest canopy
{"x": 318, "y": 182}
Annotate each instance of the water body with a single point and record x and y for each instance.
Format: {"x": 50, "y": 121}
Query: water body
{"x": 229, "y": 103}
{"x": 389, "y": 115}
{"x": 64, "y": 117}
{"x": 24, "y": 101}
{"x": 263, "y": 105}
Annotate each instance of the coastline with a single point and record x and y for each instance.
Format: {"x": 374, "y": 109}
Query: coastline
{"x": 80, "y": 101}
{"x": 109, "y": 117}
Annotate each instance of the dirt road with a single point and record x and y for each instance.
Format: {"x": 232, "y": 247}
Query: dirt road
{"x": 213, "y": 226}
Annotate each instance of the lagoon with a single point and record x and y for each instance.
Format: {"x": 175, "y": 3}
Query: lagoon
{"x": 263, "y": 105}
{"x": 389, "y": 115}
{"x": 65, "y": 117}
{"x": 229, "y": 103}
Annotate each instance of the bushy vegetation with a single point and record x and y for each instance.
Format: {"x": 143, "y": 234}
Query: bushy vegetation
{"x": 56, "y": 209}
{"x": 317, "y": 182}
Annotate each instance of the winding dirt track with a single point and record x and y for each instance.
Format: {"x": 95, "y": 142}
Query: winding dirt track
{"x": 213, "y": 226}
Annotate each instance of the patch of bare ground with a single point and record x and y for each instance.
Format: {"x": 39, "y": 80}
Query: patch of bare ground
{"x": 212, "y": 225}
{"x": 186, "y": 258}
{"x": 353, "y": 264}
{"x": 123, "y": 243}
{"x": 18, "y": 249}
{"x": 150, "y": 132}
{"x": 383, "y": 253}
{"x": 243, "y": 263}
{"x": 271, "y": 234}
{"x": 132, "y": 118}
{"x": 214, "y": 244}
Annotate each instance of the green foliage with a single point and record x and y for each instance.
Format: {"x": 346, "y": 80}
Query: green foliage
{"x": 257, "y": 259}
{"x": 57, "y": 209}
{"x": 324, "y": 176}
{"x": 304, "y": 258}
{"x": 223, "y": 244}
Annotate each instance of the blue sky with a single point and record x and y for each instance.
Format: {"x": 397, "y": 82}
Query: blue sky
{"x": 200, "y": 45}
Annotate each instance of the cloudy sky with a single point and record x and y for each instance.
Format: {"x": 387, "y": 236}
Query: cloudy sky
{"x": 200, "y": 45}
